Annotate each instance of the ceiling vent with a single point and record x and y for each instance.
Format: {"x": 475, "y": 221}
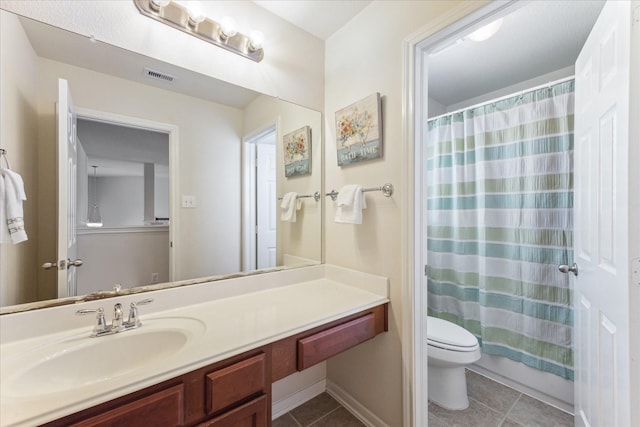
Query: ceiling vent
{"x": 157, "y": 75}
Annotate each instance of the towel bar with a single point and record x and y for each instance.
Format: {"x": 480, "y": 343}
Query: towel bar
{"x": 3, "y": 154}
{"x": 316, "y": 196}
{"x": 387, "y": 191}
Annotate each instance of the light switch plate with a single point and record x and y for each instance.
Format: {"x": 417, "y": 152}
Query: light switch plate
{"x": 189, "y": 201}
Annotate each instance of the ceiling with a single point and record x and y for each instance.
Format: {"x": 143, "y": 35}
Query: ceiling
{"x": 321, "y": 18}
{"x": 538, "y": 38}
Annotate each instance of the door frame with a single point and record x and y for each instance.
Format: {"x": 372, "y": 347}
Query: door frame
{"x": 249, "y": 191}
{"x": 416, "y": 47}
{"x": 174, "y": 176}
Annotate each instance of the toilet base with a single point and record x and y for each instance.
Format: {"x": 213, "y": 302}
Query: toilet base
{"x": 448, "y": 387}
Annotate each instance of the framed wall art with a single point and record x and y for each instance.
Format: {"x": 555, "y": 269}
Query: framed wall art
{"x": 297, "y": 152}
{"x": 359, "y": 131}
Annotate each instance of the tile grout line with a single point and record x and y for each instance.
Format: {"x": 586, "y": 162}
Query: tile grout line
{"x": 513, "y": 406}
{"x": 295, "y": 420}
{"x": 324, "y": 416}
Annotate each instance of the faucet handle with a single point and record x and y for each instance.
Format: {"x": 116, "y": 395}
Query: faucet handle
{"x": 101, "y": 323}
{"x": 134, "y": 319}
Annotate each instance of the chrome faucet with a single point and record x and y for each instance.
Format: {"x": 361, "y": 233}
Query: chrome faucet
{"x": 117, "y": 324}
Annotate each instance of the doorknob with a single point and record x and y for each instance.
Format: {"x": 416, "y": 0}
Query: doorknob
{"x": 50, "y": 265}
{"x": 62, "y": 264}
{"x": 75, "y": 263}
{"x": 565, "y": 269}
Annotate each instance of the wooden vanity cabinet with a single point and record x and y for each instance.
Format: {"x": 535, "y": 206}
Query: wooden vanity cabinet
{"x": 230, "y": 393}
{"x": 235, "y": 392}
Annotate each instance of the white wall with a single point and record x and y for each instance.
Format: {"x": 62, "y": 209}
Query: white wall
{"x": 508, "y": 90}
{"x": 362, "y": 58}
{"x": 18, "y": 135}
{"x": 292, "y": 68}
{"x": 128, "y": 257}
{"x": 120, "y": 200}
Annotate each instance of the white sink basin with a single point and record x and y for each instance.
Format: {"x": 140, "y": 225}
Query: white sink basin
{"x": 83, "y": 361}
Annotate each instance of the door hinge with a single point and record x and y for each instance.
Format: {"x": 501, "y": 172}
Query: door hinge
{"x": 425, "y": 269}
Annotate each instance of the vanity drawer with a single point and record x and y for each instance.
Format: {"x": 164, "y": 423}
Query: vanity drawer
{"x": 322, "y": 345}
{"x": 251, "y": 414}
{"x": 235, "y": 383}
{"x": 165, "y": 407}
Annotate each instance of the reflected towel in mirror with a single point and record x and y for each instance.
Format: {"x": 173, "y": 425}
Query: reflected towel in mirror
{"x": 290, "y": 204}
{"x": 11, "y": 217}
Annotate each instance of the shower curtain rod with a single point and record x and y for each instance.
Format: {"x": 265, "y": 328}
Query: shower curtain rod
{"x": 521, "y": 92}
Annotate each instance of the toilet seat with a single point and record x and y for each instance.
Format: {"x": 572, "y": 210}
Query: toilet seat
{"x": 449, "y": 336}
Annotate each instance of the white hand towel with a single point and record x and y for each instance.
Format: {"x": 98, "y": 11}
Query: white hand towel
{"x": 290, "y": 204}
{"x": 12, "y": 195}
{"x": 350, "y": 203}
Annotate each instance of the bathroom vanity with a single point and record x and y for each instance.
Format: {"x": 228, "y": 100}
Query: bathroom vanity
{"x": 206, "y": 364}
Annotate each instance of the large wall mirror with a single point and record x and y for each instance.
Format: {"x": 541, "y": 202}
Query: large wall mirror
{"x": 185, "y": 170}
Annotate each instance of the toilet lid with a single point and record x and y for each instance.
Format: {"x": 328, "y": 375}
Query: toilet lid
{"x": 443, "y": 333}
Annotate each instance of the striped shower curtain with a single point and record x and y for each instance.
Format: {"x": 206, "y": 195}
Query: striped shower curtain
{"x": 499, "y": 222}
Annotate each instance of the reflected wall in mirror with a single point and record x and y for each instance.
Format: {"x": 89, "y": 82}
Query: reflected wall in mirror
{"x": 213, "y": 128}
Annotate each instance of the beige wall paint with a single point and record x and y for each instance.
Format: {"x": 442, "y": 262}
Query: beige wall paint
{"x": 18, "y": 135}
{"x": 303, "y": 237}
{"x": 292, "y": 68}
{"x": 209, "y": 161}
{"x": 365, "y": 57}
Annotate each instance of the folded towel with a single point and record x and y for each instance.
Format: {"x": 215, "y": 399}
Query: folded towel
{"x": 11, "y": 217}
{"x": 350, "y": 203}
{"x": 290, "y": 204}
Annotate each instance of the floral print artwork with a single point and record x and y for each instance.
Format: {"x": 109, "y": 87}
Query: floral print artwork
{"x": 297, "y": 157}
{"x": 358, "y": 131}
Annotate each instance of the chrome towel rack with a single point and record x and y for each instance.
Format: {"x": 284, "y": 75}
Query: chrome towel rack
{"x": 386, "y": 189}
{"x": 316, "y": 196}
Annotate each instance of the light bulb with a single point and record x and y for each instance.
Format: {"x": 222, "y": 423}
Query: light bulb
{"x": 256, "y": 40}
{"x": 196, "y": 15}
{"x": 228, "y": 27}
{"x": 158, "y": 4}
{"x": 485, "y": 32}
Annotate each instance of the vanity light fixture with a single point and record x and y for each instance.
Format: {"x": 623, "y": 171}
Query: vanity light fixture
{"x": 94, "y": 219}
{"x": 191, "y": 20}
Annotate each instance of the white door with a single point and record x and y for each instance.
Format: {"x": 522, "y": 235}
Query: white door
{"x": 266, "y": 206}
{"x": 67, "y": 173}
{"x": 601, "y": 247}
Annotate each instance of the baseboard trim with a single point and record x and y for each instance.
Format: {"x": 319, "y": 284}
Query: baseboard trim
{"x": 283, "y": 406}
{"x": 353, "y": 406}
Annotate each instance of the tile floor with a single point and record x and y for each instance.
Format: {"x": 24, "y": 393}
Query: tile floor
{"x": 321, "y": 411}
{"x": 490, "y": 405}
{"x": 494, "y": 405}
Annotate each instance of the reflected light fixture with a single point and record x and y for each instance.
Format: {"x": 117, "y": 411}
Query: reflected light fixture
{"x": 94, "y": 219}
{"x": 189, "y": 18}
{"x": 486, "y": 32}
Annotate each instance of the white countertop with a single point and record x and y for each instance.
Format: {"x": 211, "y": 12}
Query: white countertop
{"x": 218, "y": 329}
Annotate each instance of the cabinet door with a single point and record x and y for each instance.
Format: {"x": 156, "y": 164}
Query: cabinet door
{"x": 251, "y": 414}
{"x": 164, "y": 408}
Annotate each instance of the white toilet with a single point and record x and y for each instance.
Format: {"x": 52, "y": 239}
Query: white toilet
{"x": 451, "y": 348}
